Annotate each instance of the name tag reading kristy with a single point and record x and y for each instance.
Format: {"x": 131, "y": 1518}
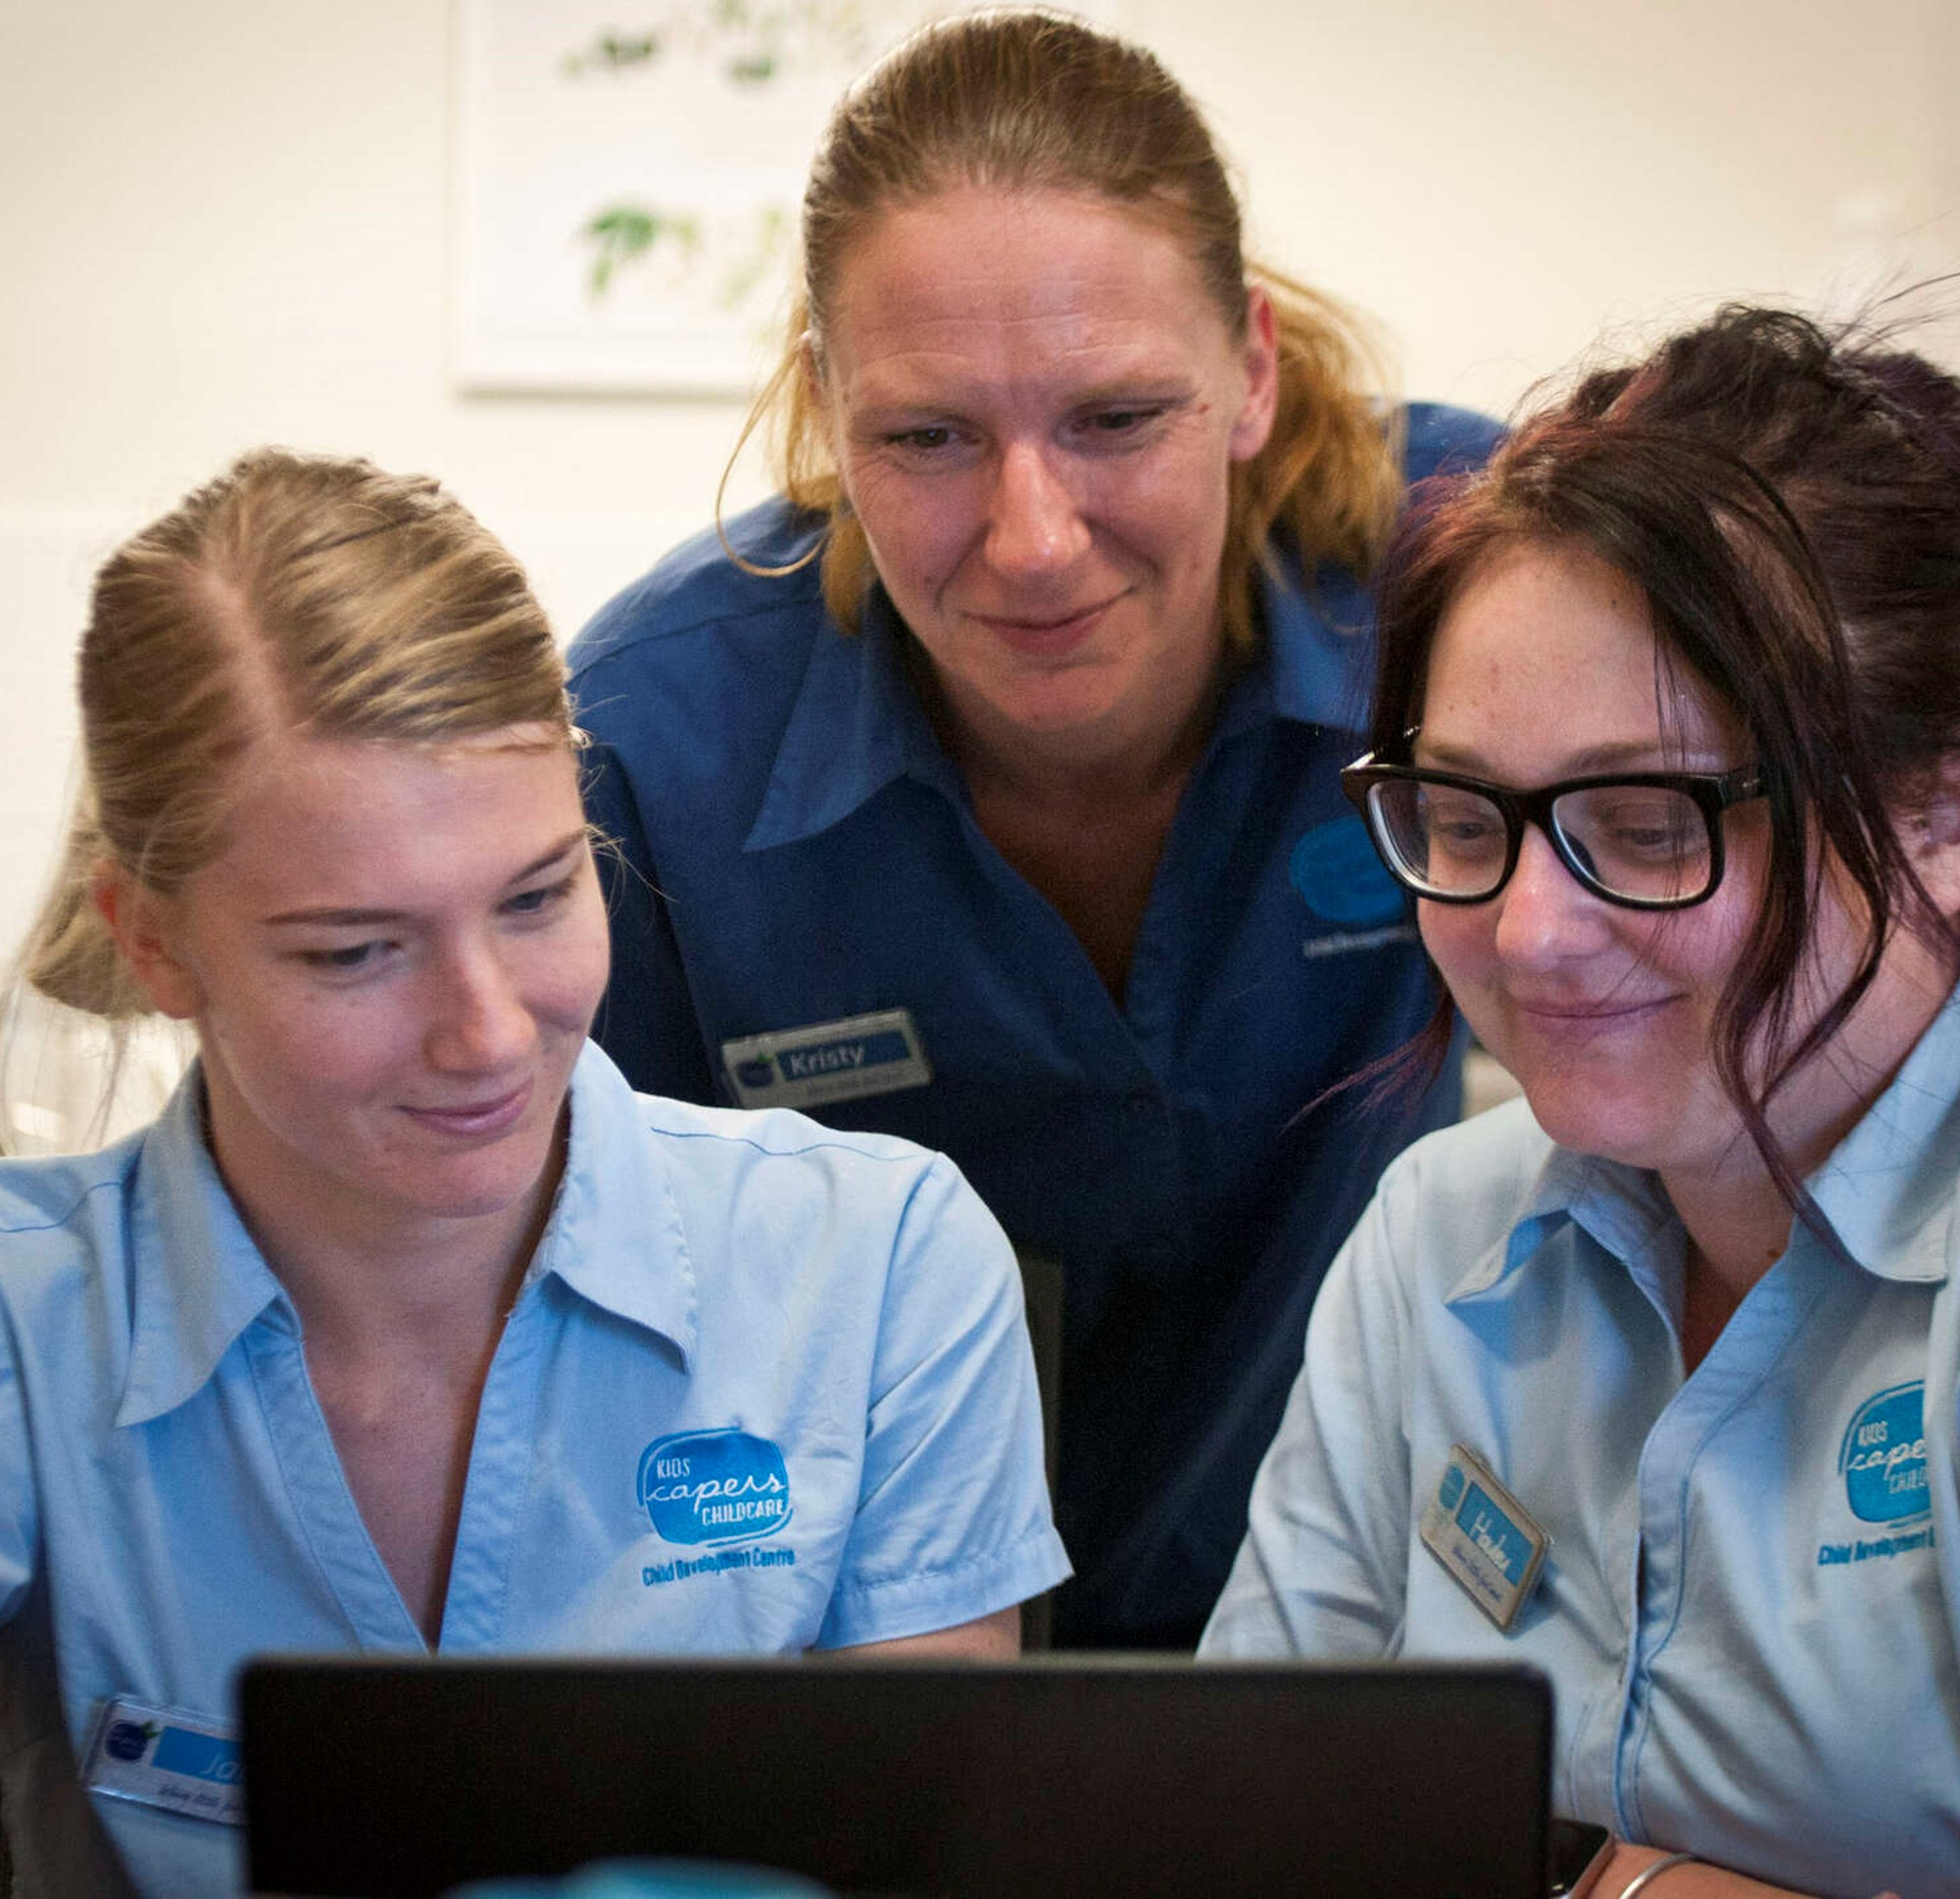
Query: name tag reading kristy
{"x": 1483, "y": 1537}
{"x": 827, "y": 1061}
{"x": 163, "y": 1757}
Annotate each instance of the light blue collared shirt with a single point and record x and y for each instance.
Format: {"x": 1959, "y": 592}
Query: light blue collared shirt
{"x": 767, "y": 1388}
{"x": 1750, "y": 1609}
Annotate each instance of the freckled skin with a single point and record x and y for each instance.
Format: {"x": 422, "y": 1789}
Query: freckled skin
{"x": 1546, "y": 667}
{"x": 1036, "y": 408}
{"x": 344, "y": 1062}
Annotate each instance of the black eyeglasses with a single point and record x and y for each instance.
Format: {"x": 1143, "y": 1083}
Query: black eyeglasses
{"x": 1647, "y": 840}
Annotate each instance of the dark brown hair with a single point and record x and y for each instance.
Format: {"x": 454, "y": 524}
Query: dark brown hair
{"x": 1787, "y": 500}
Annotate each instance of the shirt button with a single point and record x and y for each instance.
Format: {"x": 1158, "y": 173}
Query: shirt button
{"x": 1139, "y": 1101}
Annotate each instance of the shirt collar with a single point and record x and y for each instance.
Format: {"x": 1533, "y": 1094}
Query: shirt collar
{"x": 615, "y": 1236}
{"x": 1317, "y": 666}
{"x": 1622, "y": 1207}
{"x": 858, "y": 723}
{"x": 197, "y": 1280}
{"x": 1887, "y": 1189}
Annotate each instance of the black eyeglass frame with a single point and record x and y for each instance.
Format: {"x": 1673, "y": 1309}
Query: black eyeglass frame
{"x": 1712, "y": 793}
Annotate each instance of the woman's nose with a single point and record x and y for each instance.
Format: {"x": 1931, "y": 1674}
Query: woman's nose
{"x": 1034, "y": 526}
{"x": 478, "y": 1020}
{"x": 1545, "y": 914}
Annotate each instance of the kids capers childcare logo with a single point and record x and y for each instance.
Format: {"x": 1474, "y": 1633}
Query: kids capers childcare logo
{"x": 714, "y": 1486}
{"x": 1883, "y": 1457}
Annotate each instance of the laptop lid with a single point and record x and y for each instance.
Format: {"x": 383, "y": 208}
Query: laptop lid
{"x": 1059, "y": 1776}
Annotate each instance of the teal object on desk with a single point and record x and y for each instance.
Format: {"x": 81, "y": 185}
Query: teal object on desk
{"x": 653, "y": 1879}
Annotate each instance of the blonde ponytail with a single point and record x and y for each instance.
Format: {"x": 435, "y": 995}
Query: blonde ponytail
{"x": 294, "y": 590}
{"x": 69, "y": 956}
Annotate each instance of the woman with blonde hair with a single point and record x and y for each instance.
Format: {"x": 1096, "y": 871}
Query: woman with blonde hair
{"x": 978, "y": 787}
{"x": 408, "y": 1325}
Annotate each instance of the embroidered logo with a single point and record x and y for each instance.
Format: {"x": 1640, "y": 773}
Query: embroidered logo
{"x": 1883, "y": 1457}
{"x": 1335, "y": 868}
{"x": 714, "y": 1486}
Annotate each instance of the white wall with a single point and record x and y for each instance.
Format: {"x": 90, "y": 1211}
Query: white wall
{"x": 1502, "y": 180}
{"x": 224, "y": 221}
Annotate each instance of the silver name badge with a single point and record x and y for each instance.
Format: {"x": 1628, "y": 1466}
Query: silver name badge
{"x": 163, "y": 1757}
{"x": 828, "y": 1061}
{"x": 1481, "y": 1533}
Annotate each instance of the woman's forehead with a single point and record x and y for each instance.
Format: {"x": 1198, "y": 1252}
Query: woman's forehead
{"x": 367, "y": 811}
{"x": 1028, "y": 256}
{"x": 303, "y": 751}
{"x": 1550, "y": 645}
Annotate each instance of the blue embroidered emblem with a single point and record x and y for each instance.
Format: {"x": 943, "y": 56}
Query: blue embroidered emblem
{"x": 1335, "y": 868}
{"x": 714, "y": 1486}
{"x": 1883, "y": 1457}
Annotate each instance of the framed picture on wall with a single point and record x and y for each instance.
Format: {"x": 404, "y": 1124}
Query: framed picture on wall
{"x": 628, "y": 174}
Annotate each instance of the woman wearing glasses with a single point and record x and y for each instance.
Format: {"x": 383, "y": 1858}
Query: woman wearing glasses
{"x": 1649, "y": 1380}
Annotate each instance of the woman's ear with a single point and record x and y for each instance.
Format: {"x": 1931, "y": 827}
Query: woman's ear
{"x": 816, "y": 392}
{"x": 809, "y": 371}
{"x": 146, "y": 927}
{"x": 1940, "y": 820}
{"x": 1931, "y": 833}
{"x": 1261, "y": 359}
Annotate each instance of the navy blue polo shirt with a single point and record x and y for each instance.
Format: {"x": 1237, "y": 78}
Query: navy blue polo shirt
{"x": 796, "y": 852}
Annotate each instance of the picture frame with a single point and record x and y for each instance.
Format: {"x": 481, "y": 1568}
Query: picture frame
{"x": 627, "y": 182}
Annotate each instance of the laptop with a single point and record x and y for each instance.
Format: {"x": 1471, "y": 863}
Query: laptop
{"x": 1059, "y": 1776}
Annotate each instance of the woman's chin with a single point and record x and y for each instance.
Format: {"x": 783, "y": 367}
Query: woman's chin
{"x": 1610, "y": 1128}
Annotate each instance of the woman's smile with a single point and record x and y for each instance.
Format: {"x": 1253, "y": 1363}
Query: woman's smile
{"x": 1605, "y": 1014}
{"x": 389, "y": 1019}
{"x": 484, "y": 1118}
{"x": 1036, "y": 405}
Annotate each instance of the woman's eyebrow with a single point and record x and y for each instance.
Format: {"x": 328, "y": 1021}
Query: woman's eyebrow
{"x": 1626, "y": 754}
{"x": 335, "y": 916}
{"x": 572, "y": 842}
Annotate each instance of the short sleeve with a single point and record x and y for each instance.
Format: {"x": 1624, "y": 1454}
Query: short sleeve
{"x": 1323, "y": 1569}
{"x": 953, "y": 1519}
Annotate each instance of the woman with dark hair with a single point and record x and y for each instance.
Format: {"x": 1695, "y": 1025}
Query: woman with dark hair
{"x": 974, "y": 788}
{"x": 1650, "y": 1379}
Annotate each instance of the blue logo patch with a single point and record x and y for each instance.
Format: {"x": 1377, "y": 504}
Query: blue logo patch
{"x": 714, "y": 1486}
{"x": 1883, "y": 1457}
{"x": 1336, "y": 869}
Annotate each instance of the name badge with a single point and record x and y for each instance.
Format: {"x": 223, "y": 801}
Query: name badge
{"x": 828, "y": 1061}
{"x": 163, "y": 1757}
{"x": 1483, "y": 1537}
